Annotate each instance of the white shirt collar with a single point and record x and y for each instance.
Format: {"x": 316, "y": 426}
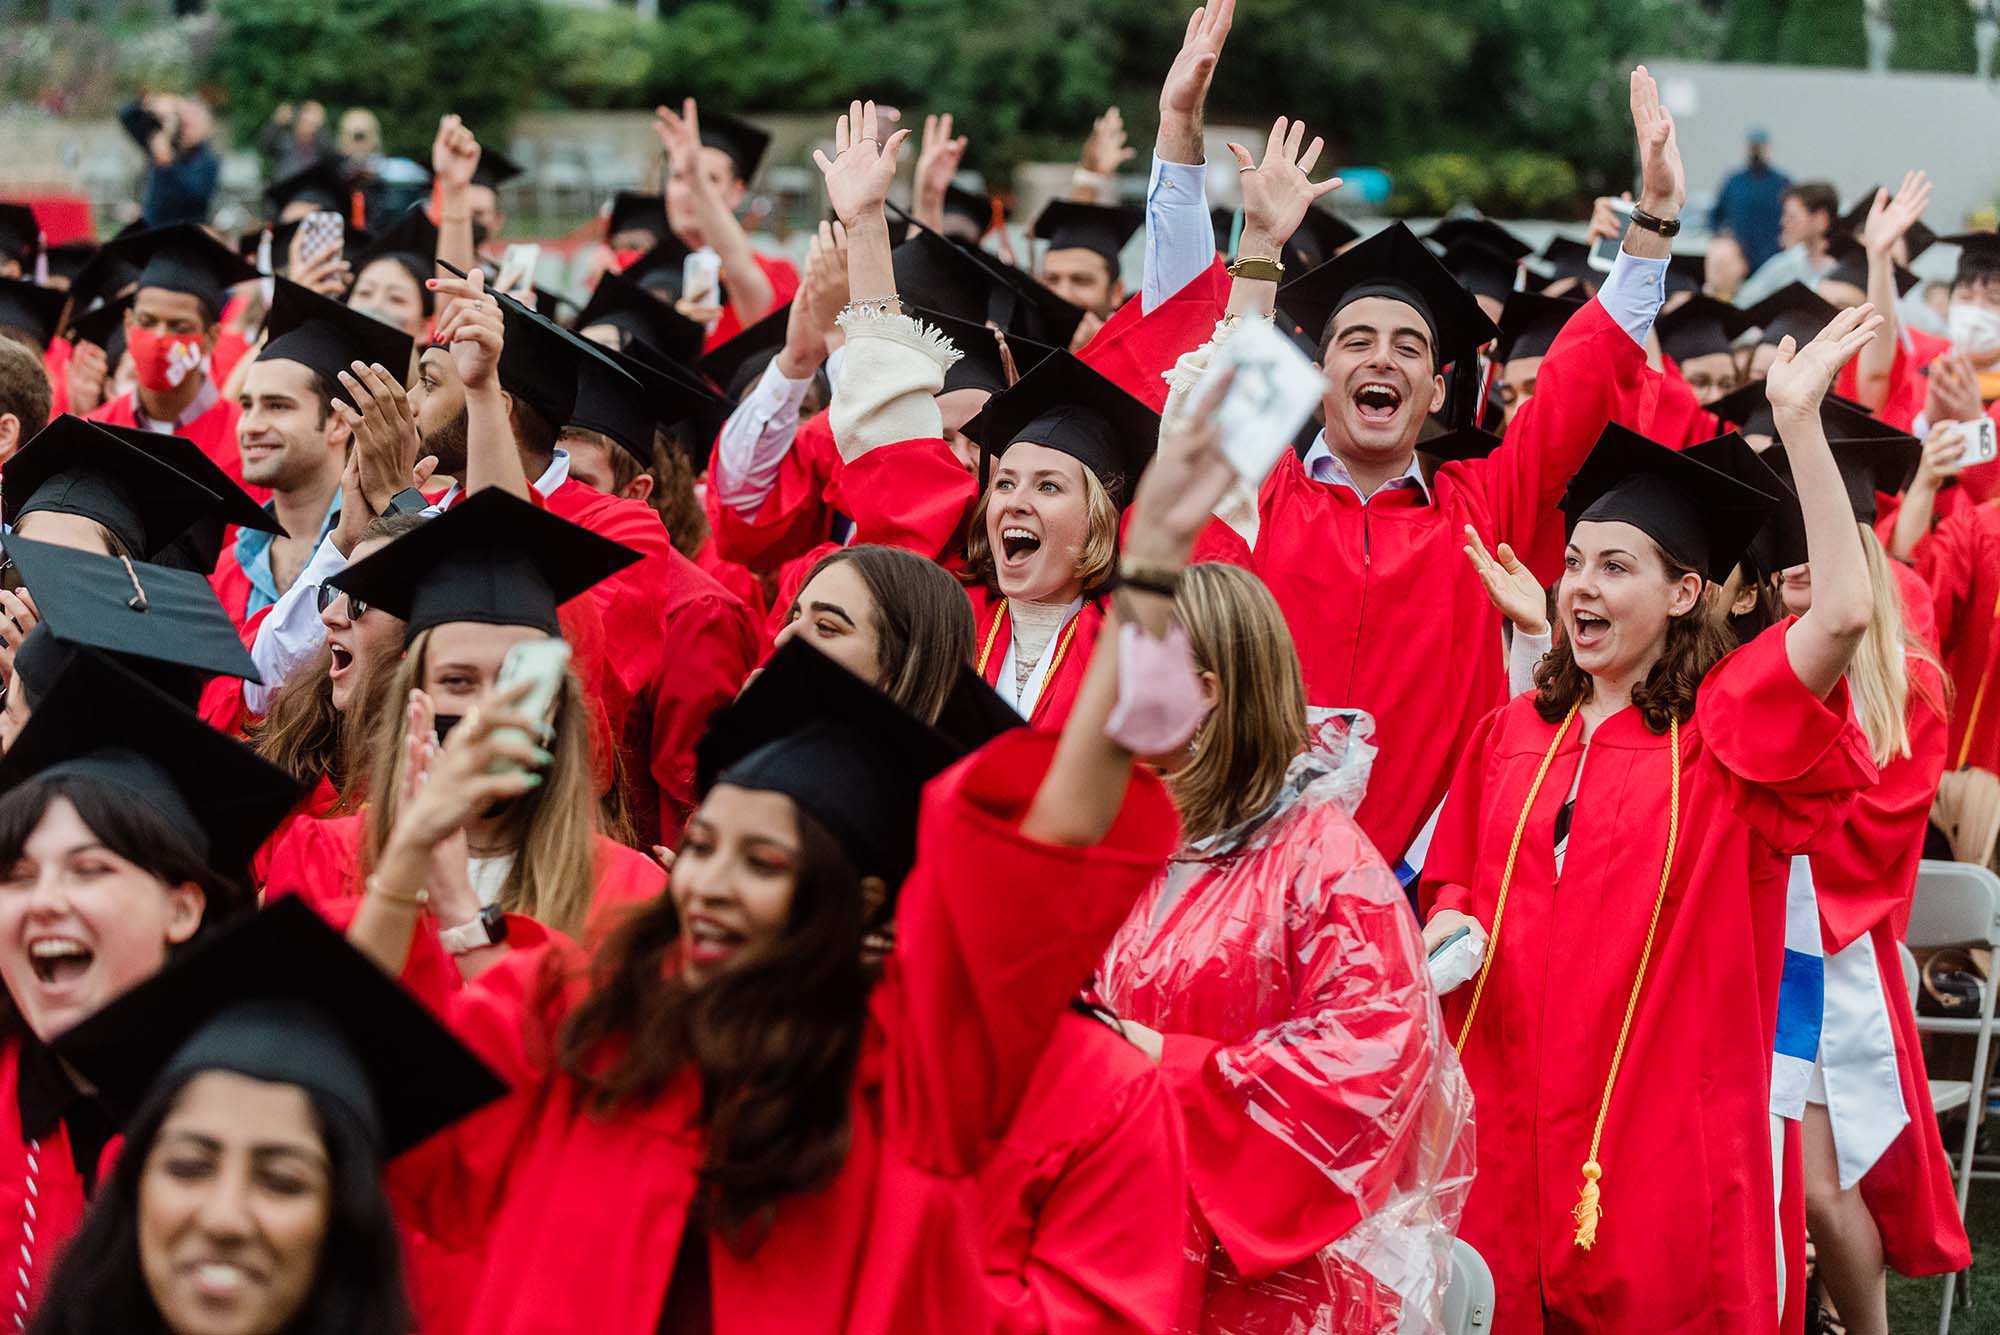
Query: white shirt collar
{"x": 556, "y": 474}
{"x": 1323, "y": 465}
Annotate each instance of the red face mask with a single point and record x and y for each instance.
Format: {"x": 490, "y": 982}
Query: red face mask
{"x": 163, "y": 361}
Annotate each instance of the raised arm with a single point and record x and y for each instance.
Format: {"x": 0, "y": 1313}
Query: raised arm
{"x": 1888, "y": 221}
{"x": 454, "y": 158}
{"x": 1095, "y": 180}
{"x": 1276, "y": 194}
{"x": 938, "y": 156}
{"x": 1942, "y": 458}
{"x": 1180, "y": 236}
{"x": 470, "y": 324}
{"x": 750, "y": 293}
{"x": 1821, "y": 643}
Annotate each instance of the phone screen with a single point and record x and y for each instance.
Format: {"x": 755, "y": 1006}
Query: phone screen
{"x": 1604, "y": 250}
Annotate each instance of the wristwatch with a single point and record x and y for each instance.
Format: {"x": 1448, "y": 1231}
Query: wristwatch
{"x": 488, "y": 929}
{"x": 1257, "y": 268}
{"x": 1668, "y": 227}
{"x": 1149, "y": 577}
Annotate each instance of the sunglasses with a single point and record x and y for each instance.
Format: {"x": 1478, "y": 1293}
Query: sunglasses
{"x": 325, "y": 594}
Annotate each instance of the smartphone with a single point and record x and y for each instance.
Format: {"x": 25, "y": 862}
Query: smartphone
{"x": 320, "y": 236}
{"x": 1979, "y": 442}
{"x": 701, "y": 278}
{"x": 517, "y": 268}
{"x": 1450, "y": 941}
{"x": 542, "y": 664}
{"x": 1604, "y": 250}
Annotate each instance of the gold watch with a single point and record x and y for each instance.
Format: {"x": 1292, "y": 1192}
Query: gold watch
{"x": 1257, "y": 268}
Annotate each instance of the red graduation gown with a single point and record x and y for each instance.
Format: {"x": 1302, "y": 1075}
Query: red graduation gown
{"x": 41, "y": 1197}
{"x": 796, "y": 516}
{"x": 1680, "y": 421}
{"x": 957, "y": 1025}
{"x": 1378, "y": 594}
{"x": 1083, "y": 1198}
{"x": 1304, "y": 1047}
{"x": 214, "y": 431}
{"x": 1960, "y": 561}
{"x": 734, "y": 576}
{"x": 1765, "y": 770}
{"x": 1864, "y": 876}
{"x": 784, "y": 281}
{"x": 1135, "y": 348}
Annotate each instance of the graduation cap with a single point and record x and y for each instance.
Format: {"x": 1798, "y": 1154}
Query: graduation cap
{"x": 104, "y": 325}
{"x": 76, "y": 467}
{"x": 973, "y": 713}
{"x": 326, "y": 337}
{"x": 34, "y": 311}
{"x": 493, "y": 558}
{"x": 68, "y": 259}
{"x": 660, "y": 268}
{"x": 1701, "y": 326}
{"x": 980, "y": 364}
{"x": 199, "y": 548}
{"x": 1781, "y": 543}
{"x": 1453, "y": 232}
{"x": 612, "y": 402}
{"x": 20, "y": 233}
{"x": 323, "y": 185}
{"x": 960, "y": 279}
{"x": 411, "y": 241}
{"x": 1854, "y": 223}
{"x": 637, "y": 314}
{"x": 1686, "y": 273}
{"x": 851, "y": 757}
{"x": 184, "y": 258}
{"x": 103, "y": 723}
{"x": 673, "y": 393}
{"x": 1978, "y": 256}
{"x": 495, "y": 169}
{"x": 1868, "y": 466}
{"x": 1850, "y": 266}
{"x": 105, "y": 276}
{"x": 972, "y": 206}
{"x": 1065, "y": 405}
{"x": 1701, "y": 517}
{"x": 281, "y": 997}
{"x": 734, "y": 364}
{"x": 1392, "y": 264}
{"x": 1099, "y": 228}
{"x": 1566, "y": 258}
{"x": 1484, "y": 271}
{"x": 743, "y": 142}
{"x": 1463, "y": 443}
{"x": 635, "y": 211}
{"x": 1320, "y": 237}
{"x": 1795, "y": 310}
{"x": 164, "y": 625}
{"x": 1530, "y": 323}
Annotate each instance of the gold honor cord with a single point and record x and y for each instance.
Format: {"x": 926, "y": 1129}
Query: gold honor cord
{"x": 1589, "y": 1208}
{"x": 993, "y": 633}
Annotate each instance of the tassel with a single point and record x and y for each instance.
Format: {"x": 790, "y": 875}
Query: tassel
{"x": 1588, "y": 1211}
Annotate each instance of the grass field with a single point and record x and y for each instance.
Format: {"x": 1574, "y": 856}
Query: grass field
{"x": 1913, "y": 1303}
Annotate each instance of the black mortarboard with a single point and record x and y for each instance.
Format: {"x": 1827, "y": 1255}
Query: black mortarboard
{"x": 1065, "y": 405}
{"x": 961, "y": 279}
{"x": 1868, "y": 466}
{"x": 1686, "y": 273}
{"x": 281, "y": 997}
{"x": 492, "y": 558}
{"x": 538, "y": 357}
{"x": 668, "y": 397}
{"x": 735, "y": 363}
{"x": 1781, "y": 543}
{"x": 971, "y": 205}
{"x": 611, "y": 401}
{"x": 35, "y": 311}
{"x": 164, "y": 625}
{"x": 1567, "y": 258}
{"x": 1103, "y": 229}
{"x": 107, "y": 276}
{"x": 1701, "y": 517}
{"x": 183, "y": 258}
{"x": 851, "y": 757}
{"x": 1747, "y": 409}
{"x": 1978, "y": 255}
{"x": 636, "y": 211}
{"x": 1454, "y": 232}
{"x": 981, "y": 365}
{"x": 69, "y": 259}
{"x": 1530, "y": 323}
{"x": 75, "y": 467}
{"x": 1461, "y": 443}
{"x": 322, "y": 185}
{"x": 495, "y": 169}
{"x": 20, "y": 233}
{"x": 104, "y": 723}
{"x": 660, "y": 269}
{"x": 104, "y": 325}
{"x": 1320, "y": 236}
{"x": 637, "y": 314}
{"x": 200, "y": 548}
{"x": 1794, "y": 310}
{"x": 1700, "y": 327}
{"x": 411, "y": 241}
{"x": 743, "y": 142}
{"x": 1393, "y": 264}
{"x": 1852, "y": 223}
{"x": 1483, "y": 271}
{"x": 1850, "y": 266}
{"x": 324, "y": 336}
{"x": 973, "y": 713}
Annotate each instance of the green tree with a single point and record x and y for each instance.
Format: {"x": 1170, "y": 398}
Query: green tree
{"x": 1824, "y": 32}
{"x": 1751, "y": 31}
{"x": 1932, "y": 35}
{"x": 408, "y": 63}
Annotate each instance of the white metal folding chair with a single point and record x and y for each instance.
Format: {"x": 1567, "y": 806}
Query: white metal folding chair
{"x": 1468, "y": 1302}
{"x": 1957, "y": 904}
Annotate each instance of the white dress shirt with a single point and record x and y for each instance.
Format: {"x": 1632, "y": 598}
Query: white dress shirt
{"x": 759, "y": 434}
{"x": 1180, "y": 236}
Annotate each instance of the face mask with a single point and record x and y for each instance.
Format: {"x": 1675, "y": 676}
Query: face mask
{"x": 163, "y": 361}
{"x": 1975, "y": 329}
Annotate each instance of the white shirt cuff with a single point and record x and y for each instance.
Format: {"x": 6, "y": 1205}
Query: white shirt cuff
{"x": 1632, "y": 293}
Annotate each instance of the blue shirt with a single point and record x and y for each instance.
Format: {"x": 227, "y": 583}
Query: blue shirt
{"x": 253, "y": 553}
{"x": 1747, "y": 207}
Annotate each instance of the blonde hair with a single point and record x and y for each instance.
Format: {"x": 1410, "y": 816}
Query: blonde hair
{"x": 1878, "y": 678}
{"x": 1094, "y": 563}
{"x": 553, "y": 828}
{"x": 1245, "y": 745}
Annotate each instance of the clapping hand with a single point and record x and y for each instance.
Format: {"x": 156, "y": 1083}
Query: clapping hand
{"x": 1799, "y": 378}
{"x": 1278, "y": 191}
{"x": 862, "y": 167}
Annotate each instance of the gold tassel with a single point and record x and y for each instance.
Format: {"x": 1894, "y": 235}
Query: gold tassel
{"x": 1588, "y": 1211}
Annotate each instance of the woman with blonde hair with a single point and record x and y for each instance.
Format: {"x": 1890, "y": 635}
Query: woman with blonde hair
{"x": 1274, "y": 972}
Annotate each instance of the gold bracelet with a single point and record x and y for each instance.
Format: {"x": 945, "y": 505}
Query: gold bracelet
{"x": 1257, "y": 268}
{"x": 420, "y": 901}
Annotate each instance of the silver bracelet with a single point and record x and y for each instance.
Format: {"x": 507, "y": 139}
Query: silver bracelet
{"x": 879, "y": 308}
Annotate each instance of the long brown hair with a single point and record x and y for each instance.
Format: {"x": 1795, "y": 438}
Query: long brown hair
{"x": 1247, "y": 742}
{"x": 923, "y": 624}
{"x": 774, "y": 1039}
{"x": 553, "y": 828}
{"x": 1094, "y": 563}
{"x": 1696, "y": 642}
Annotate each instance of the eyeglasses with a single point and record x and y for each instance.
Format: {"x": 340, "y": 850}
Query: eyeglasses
{"x": 325, "y": 594}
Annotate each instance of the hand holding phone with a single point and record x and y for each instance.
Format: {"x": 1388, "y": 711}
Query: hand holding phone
{"x": 1604, "y": 250}
{"x": 1978, "y": 442}
{"x": 517, "y": 268}
{"x": 701, "y": 278}
{"x": 542, "y": 664}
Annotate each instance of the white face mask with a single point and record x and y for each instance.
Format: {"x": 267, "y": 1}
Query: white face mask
{"x": 1974, "y": 328}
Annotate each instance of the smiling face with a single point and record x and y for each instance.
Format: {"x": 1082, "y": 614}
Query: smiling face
{"x": 835, "y": 613}
{"x": 234, "y": 1201}
{"x": 79, "y": 924}
{"x": 356, "y": 643}
{"x": 1384, "y": 383}
{"x": 286, "y": 437}
{"x": 1037, "y": 521}
{"x": 438, "y": 399}
{"x": 1616, "y": 598}
{"x": 735, "y": 877}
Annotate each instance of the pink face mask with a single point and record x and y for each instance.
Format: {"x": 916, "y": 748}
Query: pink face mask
{"x": 1160, "y": 703}
{"x": 163, "y": 361}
